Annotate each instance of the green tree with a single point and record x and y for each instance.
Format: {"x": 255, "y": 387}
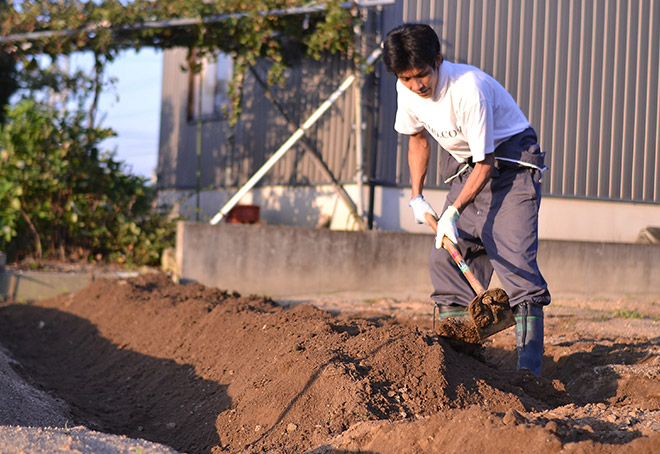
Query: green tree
{"x": 8, "y": 75}
{"x": 60, "y": 196}
{"x": 59, "y": 193}
{"x": 241, "y": 29}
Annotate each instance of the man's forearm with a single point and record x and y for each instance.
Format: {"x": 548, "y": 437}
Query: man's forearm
{"x": 475, "y": 182}
{"x": 419, "y": 152}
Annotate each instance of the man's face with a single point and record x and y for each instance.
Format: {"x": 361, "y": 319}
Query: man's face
{"x": 421, "y": 81}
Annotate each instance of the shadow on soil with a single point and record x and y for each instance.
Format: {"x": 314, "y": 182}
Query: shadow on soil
{"x": 327, "y": 450}
{"x": 109, "y": 388}
{"x": 584, "y": 374}
{"x": 588, "y": 375}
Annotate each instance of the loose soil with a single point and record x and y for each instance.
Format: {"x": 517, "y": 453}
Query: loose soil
{"x": 203, "y": 370}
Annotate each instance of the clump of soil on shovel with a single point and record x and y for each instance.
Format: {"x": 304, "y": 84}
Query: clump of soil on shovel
{"x": 459, "y": 332}
{"x": 489, "y": 314}
{"x": 210, "y": 371}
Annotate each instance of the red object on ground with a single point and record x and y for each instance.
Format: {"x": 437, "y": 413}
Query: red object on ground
{"x": 243, "y": 214}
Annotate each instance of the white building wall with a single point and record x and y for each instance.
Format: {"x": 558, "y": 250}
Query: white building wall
{"x": 559, "y": 218}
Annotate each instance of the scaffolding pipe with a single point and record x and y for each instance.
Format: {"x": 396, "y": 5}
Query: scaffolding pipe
{"x": 359, "y": 152}
{"x": 182, "y": 22}
{"x": 313, "y": 153}
{"x": 290, "y": 142}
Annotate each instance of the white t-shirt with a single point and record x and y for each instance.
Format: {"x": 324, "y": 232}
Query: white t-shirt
{"x": 469, "y": 115}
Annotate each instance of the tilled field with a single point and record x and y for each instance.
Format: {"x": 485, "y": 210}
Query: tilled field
{"x": 207, "y": 371}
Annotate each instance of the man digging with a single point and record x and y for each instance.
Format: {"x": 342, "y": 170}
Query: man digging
{"x": 493, "y": 163}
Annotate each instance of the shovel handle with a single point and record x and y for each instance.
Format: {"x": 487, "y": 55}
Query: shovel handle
{"x": 456, "y": 255}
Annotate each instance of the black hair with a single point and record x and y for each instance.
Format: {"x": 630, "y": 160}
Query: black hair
{"x": 410, "y": 46}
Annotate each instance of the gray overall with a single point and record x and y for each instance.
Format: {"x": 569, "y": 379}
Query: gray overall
{"x": 498, "y": 230}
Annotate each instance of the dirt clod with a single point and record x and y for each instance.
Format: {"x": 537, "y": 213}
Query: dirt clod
{"x": 488, "y": 308}
{"x": 458, "y": 331}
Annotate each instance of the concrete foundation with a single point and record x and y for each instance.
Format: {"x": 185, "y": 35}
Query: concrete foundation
{"x": 559, "y": 218}
{"x": 286, "y": 261}
{"x": 33, "y": 286}
{"x": 26, "y": 286}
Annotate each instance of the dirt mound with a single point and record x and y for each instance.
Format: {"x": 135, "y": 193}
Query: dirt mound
{"x": 204, "y": 370}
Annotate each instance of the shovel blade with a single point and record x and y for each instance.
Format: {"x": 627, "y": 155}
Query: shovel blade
{"x": 491, "y": 313}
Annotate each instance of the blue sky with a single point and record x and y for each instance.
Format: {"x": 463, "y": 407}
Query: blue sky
{"x": 133, "y": 110}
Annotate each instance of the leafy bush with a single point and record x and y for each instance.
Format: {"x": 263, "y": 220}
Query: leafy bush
{"x": 61, "y": 197}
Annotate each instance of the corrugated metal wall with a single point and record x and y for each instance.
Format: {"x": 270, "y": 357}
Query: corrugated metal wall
{"x": 585, "y": 72}
{"x": 231, "y": 155}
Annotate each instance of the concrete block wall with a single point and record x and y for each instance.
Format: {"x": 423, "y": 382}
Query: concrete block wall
{"x": 281, "y": 261}
{"x": 284, "y": 261}
{"x": 35, "y": 285}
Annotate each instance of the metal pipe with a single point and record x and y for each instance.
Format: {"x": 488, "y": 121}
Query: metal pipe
{"x": 359, "y": 149}
{"x": 359, "y": 157}
{"x": 181, "y": 22}
{"x": 198, "y": 145}
{"x": 290, "y": 142}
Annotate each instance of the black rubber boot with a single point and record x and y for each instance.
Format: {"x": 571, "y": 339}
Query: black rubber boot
{"x": 453, "y": 310}
{"x": 529, "y": 336}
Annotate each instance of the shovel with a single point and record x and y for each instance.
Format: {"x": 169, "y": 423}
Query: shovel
{"x": 489, "y": 310}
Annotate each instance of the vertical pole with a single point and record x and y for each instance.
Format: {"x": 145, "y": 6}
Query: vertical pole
{"x": 198, "y": 174}
{"x": 290, "y": 142}
{"x": 359, "y": 148}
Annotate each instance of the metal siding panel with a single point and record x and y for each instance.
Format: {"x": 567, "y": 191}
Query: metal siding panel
{"x": 585, "y": 73}
{"x": 558, "y": 83}
{"x": 447, "y": 32}
{"x": 304, "y": 108}
{"x": 581, "y": 125}
{"x": 489, "y": 27}
{"x": 628, "y": 126}
{"x": 498, "y": 68}
{"x": 537, "y": 69}
{"x": 387, "y": 151}
{"x": 641, "y": 90}
{"x": 172, "y": 117}
{"x": 463, "y": 31}
{"x": 524, "y": 63}
{"x": 595, "y": 100}
{"x": 567, "y": 124}
{"x": 423, "y": 11}
{"x": 607, "y": 92}
{"x": 652, "y": 140}
{"x": 474, "y": 38}
{"x": 618, "y": 100}
{"x": 512, "y": 55}
{"x": 579, "y": 70}
{"x": 537, "y": 109}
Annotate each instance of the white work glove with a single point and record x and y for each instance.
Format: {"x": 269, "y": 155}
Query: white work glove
{"x": 420, "y": 208}
{"x": 447, "y": 226}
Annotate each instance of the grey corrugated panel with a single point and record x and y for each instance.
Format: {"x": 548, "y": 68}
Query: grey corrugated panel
{"x": 564, "y": 62}
{"x": 585, "y": 72}
{"x": 641, "y": 93}
{"x": 567, "y": 126}
{"x": 651, "y": 128}
{"x": 595, "y": 102}
{"x": 652, "y": 165}
{"x": 170, "y": 115}
{"x": 307, "y": 87}
{"x": 629, "y": 69}
{"x": 608, "y": 15}
{"x": 618, "y": 98}
{"x": 584, "y": 96}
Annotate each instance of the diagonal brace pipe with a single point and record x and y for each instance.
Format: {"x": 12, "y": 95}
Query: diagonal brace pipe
{"x": 286, "y": 146}
{"x": 313, "y": 152}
